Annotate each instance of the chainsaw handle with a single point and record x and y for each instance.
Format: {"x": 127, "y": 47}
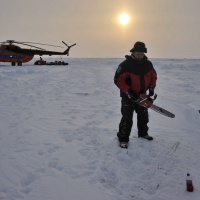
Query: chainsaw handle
{"x": 152, "y": 99}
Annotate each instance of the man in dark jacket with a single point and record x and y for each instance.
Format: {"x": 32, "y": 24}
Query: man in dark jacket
{"x": 133, "y": 77}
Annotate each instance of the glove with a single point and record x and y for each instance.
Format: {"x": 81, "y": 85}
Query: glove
{"x": 151, "y": 91}
{"x": 131, "y": 95}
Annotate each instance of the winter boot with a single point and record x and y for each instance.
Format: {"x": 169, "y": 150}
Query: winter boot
{"x": 123, "y": 145}
{"x": 147, "y": 137}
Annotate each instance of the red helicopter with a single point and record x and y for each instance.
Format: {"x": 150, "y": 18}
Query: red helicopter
{"x": 9, "y": 52}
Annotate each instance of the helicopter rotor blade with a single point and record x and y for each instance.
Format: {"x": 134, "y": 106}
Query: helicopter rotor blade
{"x": 8, "y": 41}
{"x": 38, "y": 43}
{"x": 13, "y": 41}
{"x": 29, "y": 45}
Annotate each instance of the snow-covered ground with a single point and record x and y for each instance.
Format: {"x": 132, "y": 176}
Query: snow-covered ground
{"x": 58, "y": 134}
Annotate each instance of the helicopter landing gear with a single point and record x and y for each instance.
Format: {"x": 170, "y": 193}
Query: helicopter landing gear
{"x": 18, "y": 63}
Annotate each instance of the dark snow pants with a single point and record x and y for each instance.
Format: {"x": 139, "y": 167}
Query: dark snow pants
{"x": 125, "y": 126}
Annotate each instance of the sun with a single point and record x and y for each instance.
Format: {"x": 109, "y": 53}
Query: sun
{"x": 124, "y": 19}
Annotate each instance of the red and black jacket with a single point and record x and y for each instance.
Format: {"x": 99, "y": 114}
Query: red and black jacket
{"x": 135, "y": 75}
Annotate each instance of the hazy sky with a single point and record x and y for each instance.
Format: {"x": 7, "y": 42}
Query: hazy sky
{"x": 170, "y": 28}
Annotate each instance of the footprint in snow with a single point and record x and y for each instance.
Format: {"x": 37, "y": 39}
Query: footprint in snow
{"x": 66, "y": 135}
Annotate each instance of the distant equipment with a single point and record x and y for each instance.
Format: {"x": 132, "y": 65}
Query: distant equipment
{"x": 43, "y": 62}
{"x": 10, "y": 52}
